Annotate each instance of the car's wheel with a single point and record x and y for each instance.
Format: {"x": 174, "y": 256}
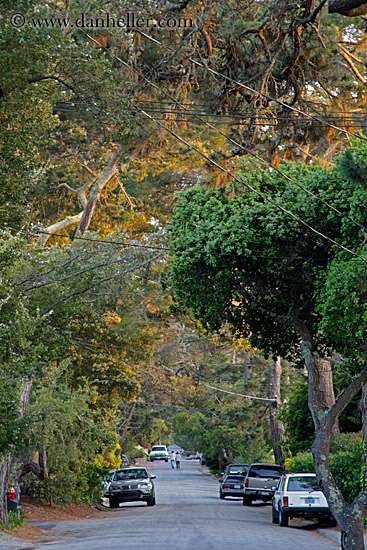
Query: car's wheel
{"x": 221, "y": 495}
{"x": 151, "y": 501}
{"x": 151, "y": 460}
{"x": 274, "y": 514}
{"x": 247, "y": 501}
{"x": 166, "y": 459}
{"x": 283, "y": 518}
{"x": 114, "y": 502}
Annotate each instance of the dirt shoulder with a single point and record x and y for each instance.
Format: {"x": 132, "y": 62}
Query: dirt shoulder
{"x": 38, "y": 509}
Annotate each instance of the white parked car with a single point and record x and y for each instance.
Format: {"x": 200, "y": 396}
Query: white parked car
{"x": 158, "y": 452}
{"x": 300, "y": 496}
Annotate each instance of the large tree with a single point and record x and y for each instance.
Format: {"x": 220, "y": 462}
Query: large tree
{"x": 238, "y": 258}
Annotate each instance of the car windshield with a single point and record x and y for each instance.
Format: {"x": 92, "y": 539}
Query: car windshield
{"x": 237, "y": 469}
{"x": 265, "y": 471}
{"x": 300, "y": 483}
{"x": 158, "y": 448}
{"x": 131, "y": 473}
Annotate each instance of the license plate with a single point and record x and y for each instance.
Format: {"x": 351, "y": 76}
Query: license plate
{"x": 264, "y": 493}
{"x": 309, "y": 501}
{"x": 237, "y": 486}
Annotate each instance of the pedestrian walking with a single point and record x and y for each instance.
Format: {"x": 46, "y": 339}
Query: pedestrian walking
{"x": 178, "y": 460}
{"x": 173, "y": 460}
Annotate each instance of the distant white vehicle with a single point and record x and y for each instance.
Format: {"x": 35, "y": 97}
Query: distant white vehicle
{"x": 300, "y": 496}
{"x": 158, "y": 452}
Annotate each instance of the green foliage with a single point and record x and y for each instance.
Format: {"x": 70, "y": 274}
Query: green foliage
{"x": 300, "y": 431}
{"x": 15, "y": 519}
{"x": 239, "y": 259}
{"x": 300, "y": 462}
{"x": 346, "y": 465}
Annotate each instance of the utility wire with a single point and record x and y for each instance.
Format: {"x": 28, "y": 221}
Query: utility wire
{"x": 262, "y": 195}
{"x": 248, "y": 88}
{"x": 225, "y": 170}
{"x": 243, "y": 148}
{"x": 148, "y": 247}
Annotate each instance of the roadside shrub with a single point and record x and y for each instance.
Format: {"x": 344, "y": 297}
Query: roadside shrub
{"x": 15, "y": 518}
{"x": 301, "y": 462}
{"x": 346, "y": 465}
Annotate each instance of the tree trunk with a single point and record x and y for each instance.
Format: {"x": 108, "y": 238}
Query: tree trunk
{"x": 110, "y": 171}
{"x": 8, "y": 459}
{"x": 276, "y": 426}
{"x": 351, "y": 530}
{"x": 363, "y": 407}
{"x": 321, "y": 395}
{"x": 4, "y": 476}
{"x": 247, "y": 374}
{"x": 349, "y": 8}
{"x": 122, "y": 438}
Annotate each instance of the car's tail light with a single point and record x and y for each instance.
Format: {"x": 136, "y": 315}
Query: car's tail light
{"x": 11, "y": 493}
{"x": 226, "y": 486}
{"x": 246, "y": 482}
{"x": 285, "y": 501}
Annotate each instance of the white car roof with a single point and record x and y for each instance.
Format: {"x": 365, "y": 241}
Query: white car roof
{"x": 303, "y": 474}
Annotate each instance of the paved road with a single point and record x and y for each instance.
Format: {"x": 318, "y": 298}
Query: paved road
{"x": 188, "y": 515}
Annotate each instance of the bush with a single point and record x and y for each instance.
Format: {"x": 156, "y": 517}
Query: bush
{"x": 301, "y": 462}
{"x": 346, "y": 465}
{"x": 15, "y": 518}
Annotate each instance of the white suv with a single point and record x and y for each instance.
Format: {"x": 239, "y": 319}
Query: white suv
{"x": 158, "y": 452}
{"x": 299, "y": 495}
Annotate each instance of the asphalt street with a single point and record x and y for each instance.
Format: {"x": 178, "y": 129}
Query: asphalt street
{"x": 188, "y": 515}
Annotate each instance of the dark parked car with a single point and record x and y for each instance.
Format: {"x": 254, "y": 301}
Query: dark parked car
{"x": 260, "y": 482}
{"x": 233, "y": 479}
{"x": 130, "y": 485}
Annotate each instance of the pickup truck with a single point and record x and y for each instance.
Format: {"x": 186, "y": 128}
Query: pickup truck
{"x": 300, "y": 496}
{"x": 260, "y": 482}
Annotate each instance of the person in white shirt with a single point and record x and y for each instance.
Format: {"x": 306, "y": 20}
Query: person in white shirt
{"x": 173, "y": 459}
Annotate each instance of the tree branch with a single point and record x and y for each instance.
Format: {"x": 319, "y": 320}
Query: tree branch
{"x": 350, "y": 8}
{"x": 50, "y": 77}
{"x": 93, "y": 197}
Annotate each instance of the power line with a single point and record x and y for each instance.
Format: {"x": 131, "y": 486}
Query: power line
{"x": 225, "y": 391}
{"x": 123, "y": 244}
{"x": 243, "y": 148}
{"x": 248, "y": 88}
{"x": 262, "y": 195}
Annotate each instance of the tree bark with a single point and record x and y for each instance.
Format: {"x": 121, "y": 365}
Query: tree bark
{"x": 350, "y": 8}
{"x": 95, "y": 192}
{"x": 122, "y": 438}
{"x": 363, "y": 407}
{"x": 276, "y": 426}
{"x": 8, "y": 459}
{"x": 4, "y": 476}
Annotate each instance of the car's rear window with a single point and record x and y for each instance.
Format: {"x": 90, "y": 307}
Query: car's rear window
{"x": 131, "y": 473}
{"x": 300, "y": 483}
{"x": 158, "y": 448}
{"x": 265, "y": 471}
{"x": 235, "y": 479}
{"x": 236, "y": 470}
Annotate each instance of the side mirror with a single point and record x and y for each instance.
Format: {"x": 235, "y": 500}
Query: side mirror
{"x": 153, "y": 477}
{"x": 148, "y": 451}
